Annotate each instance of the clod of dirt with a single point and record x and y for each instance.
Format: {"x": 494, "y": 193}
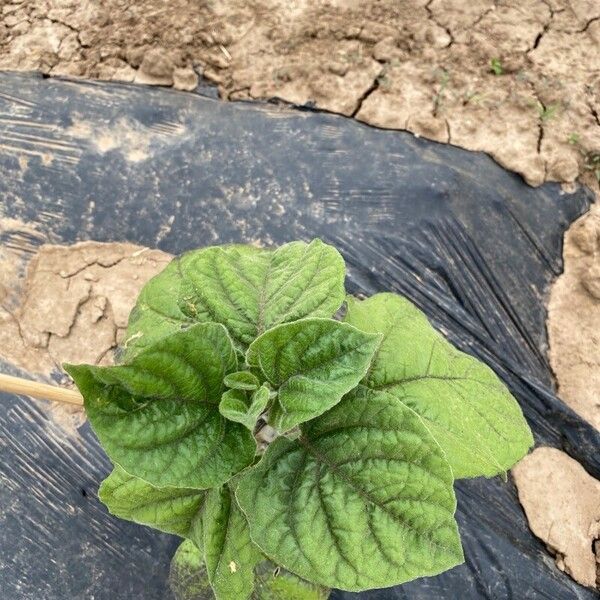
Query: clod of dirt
{"x": 185, "y": 79}
{"x": 574, "y": 318}
{"x": 72, "y": 305}
{"x": 156, "y": 68}
{"x": 562, "y": 504}
{"x": 518, "y": 79}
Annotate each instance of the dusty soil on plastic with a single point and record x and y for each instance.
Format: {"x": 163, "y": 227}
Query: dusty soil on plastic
{"x": 519, "y": 79}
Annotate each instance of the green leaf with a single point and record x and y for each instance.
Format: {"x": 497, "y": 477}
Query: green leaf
{"x": 229, "y": 552}
{"x": 275, "y": 583}
{"x": 469, "y": 411}
{"x": 313, "y": 362}
{"x": 158, "y": 416}
{"x": 210, "y": 518}
{"x": 363, "y": 499}
{"x": 187, "y": 577}
{"x": 156, "y": 312}
{"x": 242, "y": 380}
{"x": 241, "y": 407}
{"x": 251, "y": 291}
{"x": 168, "y": 509}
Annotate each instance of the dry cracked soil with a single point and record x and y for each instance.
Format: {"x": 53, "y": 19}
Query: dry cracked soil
{"x": 518, "y": 79}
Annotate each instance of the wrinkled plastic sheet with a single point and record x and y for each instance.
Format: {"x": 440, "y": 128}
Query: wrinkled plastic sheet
{"x": 471, "y": 244}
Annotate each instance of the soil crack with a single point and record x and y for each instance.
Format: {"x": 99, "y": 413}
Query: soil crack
{"x": 325, "y": 54}
{"x": 587, "y": 25}
{"x": 374, "y": 86}
{"x": 431, "y": 16}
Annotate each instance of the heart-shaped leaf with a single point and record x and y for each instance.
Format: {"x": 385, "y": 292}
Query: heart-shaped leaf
{"x": 469, "y": 411}
{"x": 243, "y": 407}
{"x": 158, "y": 415}
{"x": 312, "y": 363}
{"x": 157, "y": 312}
{"x": 251, "y": 291}
{"x": 363, "y": 499}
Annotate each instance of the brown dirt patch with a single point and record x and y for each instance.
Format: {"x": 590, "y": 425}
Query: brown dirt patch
{"x": 70, "y": 304}
{"x": 562, "y": 504}
{"x": 574, "y": 319}
{"x": 424, "y": 66}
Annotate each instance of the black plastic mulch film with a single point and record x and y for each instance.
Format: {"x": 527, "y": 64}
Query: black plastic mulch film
{"x": 471, "y": 244}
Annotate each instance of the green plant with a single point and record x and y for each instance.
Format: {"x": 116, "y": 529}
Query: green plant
{"x": 590, "y": 159}
{"x": 496, "y": 66}
{"x": 374, "y": 415}
{"x": 547, "y": 112}
{"x": 444, "y": 78}
{"x": 383, "y": 81}
{"x": 473, "y": 97}
{"x": 591, "y": 162}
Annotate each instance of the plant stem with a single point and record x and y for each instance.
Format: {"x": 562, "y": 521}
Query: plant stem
{"x": 43, "y": 391}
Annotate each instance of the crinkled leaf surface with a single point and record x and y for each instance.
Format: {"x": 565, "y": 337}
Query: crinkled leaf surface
{"x": 156, "y": 312}
{"x": 251, "y": 291}
{"x": 169, "y": 509}
{"x": 243, "y": 406}
{"x": 229, "y": 553}
{"x": 363, "y": 499}
{"x": 469, "y": 411}
{"x": 313, "y": 363}
{"x": 210, "y": 518}
{"x": 275, "y": 583}
{"x": 158, "y": 416}
{"x": 187, "y": 577}
{"x": 242, "y": 380}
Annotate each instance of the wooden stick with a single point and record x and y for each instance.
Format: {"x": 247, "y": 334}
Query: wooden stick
{"x": 43, "y": 391}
